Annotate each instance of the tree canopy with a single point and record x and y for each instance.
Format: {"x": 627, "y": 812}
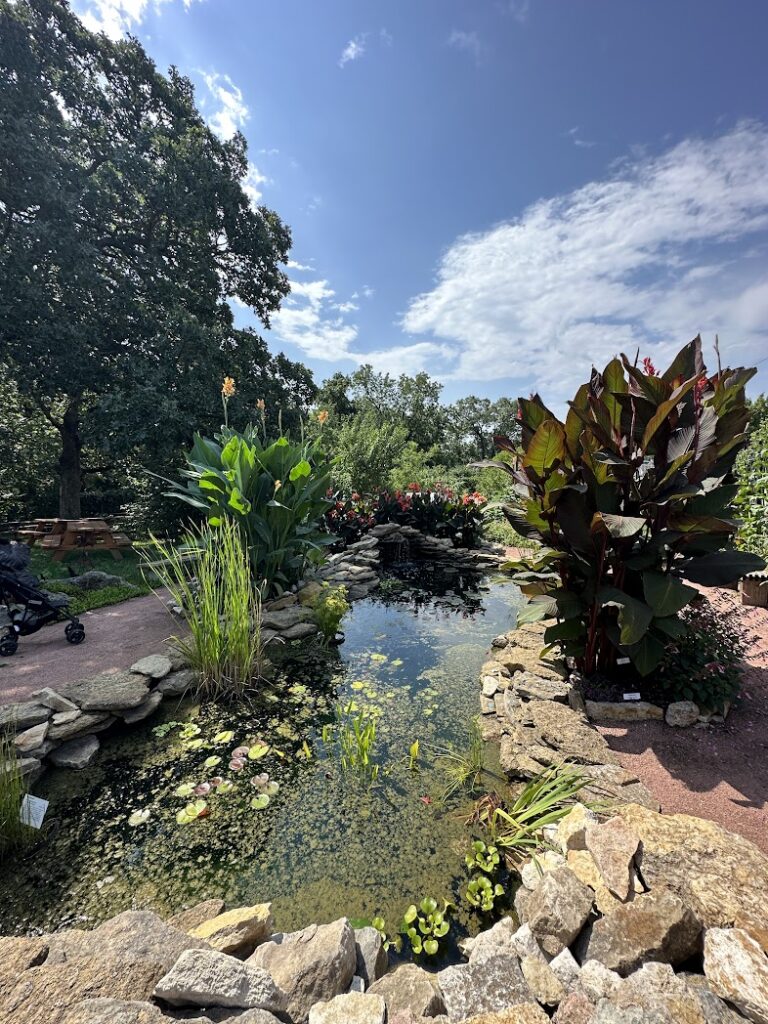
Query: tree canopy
{"x": 125, "y": 231}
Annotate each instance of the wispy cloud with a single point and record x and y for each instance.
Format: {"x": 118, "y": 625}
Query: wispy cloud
{"x": 577, "y": 140}
{"x": 664, "y": 248}
{"x": 231, "y": 112}
{"x": 469, "y": 42}
{"x": 354, "y": 49}
{"x": 519, "y": 9}
{"x": 117, "y": 17}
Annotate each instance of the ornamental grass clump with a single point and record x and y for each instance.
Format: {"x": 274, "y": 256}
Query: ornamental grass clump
{"x": 13, "y": 832}
{"x": 209, "y": 578}
{"x": 630, "y": 496}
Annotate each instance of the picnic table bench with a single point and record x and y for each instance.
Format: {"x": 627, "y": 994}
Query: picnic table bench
{"x": 63, "y": 536}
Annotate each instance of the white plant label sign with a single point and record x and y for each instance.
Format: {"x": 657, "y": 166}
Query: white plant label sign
{"x": 33, "y": 811}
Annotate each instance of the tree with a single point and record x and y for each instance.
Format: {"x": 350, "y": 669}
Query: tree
{"x": 124, "y": 231}
{"x": 472, "y": 423}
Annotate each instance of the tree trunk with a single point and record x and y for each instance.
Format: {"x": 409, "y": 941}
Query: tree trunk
{"x": 70, "y": 468}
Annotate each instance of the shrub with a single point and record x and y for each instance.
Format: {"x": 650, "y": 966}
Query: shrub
{"x": 276, "y": 493}
{"x": 629, "y": 496}
{"x": 329, "y": 609}
{"x": 209, "y": 578}
{"x": 752, "y": 496}
{"x": 705, "y": 664}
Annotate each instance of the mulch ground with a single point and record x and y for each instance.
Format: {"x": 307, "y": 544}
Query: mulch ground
{"x": 115, "y": 637}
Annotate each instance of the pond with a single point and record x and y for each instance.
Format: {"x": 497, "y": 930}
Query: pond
{"x": 330, "y": 841}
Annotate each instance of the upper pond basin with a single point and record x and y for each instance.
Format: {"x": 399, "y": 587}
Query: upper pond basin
{"x": 329, "y": 842}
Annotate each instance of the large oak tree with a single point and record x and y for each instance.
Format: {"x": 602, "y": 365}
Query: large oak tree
{"x": 124, "y": 232}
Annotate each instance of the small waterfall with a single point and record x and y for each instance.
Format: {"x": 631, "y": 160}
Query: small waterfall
{"x": 395, "y": 549}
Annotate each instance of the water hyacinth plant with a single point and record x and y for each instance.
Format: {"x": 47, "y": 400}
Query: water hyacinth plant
{"x": 629, "y": 497}
{"x": 425, "y": 925}
{"x": 209, "y": 578}
{"x": 482, "y": 893}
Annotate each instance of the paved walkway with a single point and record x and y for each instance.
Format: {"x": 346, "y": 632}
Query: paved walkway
{"x": 115, "y": 637}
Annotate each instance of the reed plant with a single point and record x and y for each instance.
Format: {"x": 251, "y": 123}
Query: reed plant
{"x": 209, "y": 577}
{"x": 355, "y": 735}
{"x": 13, "y": 832}
{"x": 463, "y": 768}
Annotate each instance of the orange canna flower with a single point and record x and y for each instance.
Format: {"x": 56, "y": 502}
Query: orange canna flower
{"x": 228, "y": 387}
{"x": 278, "y": 485}
{"x": 261, "y": 405}
{"x": 322, "y": 416}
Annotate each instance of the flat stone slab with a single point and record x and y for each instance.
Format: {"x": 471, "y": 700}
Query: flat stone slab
{"x": 51, "y": 699}
{"x": 177, "y": 683}
{"x": 150, "y": 705}
{"x": 82, "y": 724}
{"x": 109, "y": 692}
{"x": 24, "y": 715}
{"x": 156, "y": 666}
{"x": 623, "y": 711}
{"x": 75, "y": 753}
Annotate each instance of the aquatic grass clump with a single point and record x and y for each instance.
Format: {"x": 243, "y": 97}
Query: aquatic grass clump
{"x": 355, "y": 736}
{"x": 13, "y": 832}
{"x": 463, "y": 769}
{"x": 547, "y": 798}
{"x": 209, "y": 578}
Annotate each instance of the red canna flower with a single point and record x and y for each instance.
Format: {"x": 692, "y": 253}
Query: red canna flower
{"x": 649, "y": 368}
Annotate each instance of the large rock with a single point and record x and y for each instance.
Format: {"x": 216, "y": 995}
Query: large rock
{"x": 529, "y": 686}
{"x": 203, "y": 977}
{"x": 138, "y": 714}
{"x": 179, "y": 682}
{"x": 558, "y": 910}
{"x": 582, "y": 864}
{"x": 350, "y": 1008}
{"x": 716, "y": 873}
{"x": 23, "y": 716}
{"x": 596, "y": 981}
{"x": 623, "y": 711}
{"x": 498, "y": 938}
{"x": 156, "y": 666}
{"x": 67, "y": 725}
{"x": 523, "y": 1013}
{"x": 542, "y": 981}
{"x": 285, "y": 618}
{"x": 76, "y": 753}
{"x": 656, "y": 994}
{"x": 409, "y": 990}
{"x": 755, "y": 924}
{"x": 372, "y": 959}
{"x": 186, "y": 920}
{"x": 656, "y": 926}
{"x": 613, "y": 846}
{"x": 682, "y": 713}
{"x": 16, "y": 956}
{"x": 115, "y": 1011}
{"x": 487, "y": 986}
{"x": 534, "y": 870}
{"x": 108, "y": 692}
{"x": 572, "y": 829}
{"x": 52, "y": 699}
{"x": 316, "y": 963}
{"x": 575, "y": 1009}
{"x": 30, "y": 739}
{"x": 566, "y": 969}
{"x": 737, "y": 969}
{"x": 239, "y": 931}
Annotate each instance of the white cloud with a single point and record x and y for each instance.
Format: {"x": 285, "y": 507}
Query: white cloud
{"x": 231, "y": 111}
{"x": 117, "y": 17}
{"x": 346, "y": 307}
{"x": 666, "y": 247}
{"x": 519, "y": 9}
{"x": 354, "y": 49}
{"x": 293, "y": 265}
{"x": 309, "y": 319}
{"x": 467, "y": 41}
{"x": 577, "y": 140}
{"x": 252, "y": 183}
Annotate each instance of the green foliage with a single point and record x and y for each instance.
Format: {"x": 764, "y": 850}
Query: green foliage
{"x": 463, "y": 769}
{"x": 210, "y": 579}
{"x": 706, "y": 662}
{"x": 87, "y": 600}
{"x": 127, "y": 230}
{"x": 547, "y": 798}
{"x": 472, "y": 423}
{"x": 28, "y": 451}
{"x": 13, "y": 833}
{"x": 275, "y": 493}
{"x": 483, "y": 858}
{"x": 482, "y": 893}
{"x": 354, "y": 734}
{"x": 329, "y": 609}
{"x": 414, "y": 463}
{"x": 425, "y": 925}
{"x": 629, "y": 496}
{"x": 366, "y": 451}
{"x": 752, "y": 496}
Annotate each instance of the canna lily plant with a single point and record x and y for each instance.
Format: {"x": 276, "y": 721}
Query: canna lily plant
{"x": 629, "y": 498}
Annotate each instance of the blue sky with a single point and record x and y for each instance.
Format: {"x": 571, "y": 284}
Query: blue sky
{"x": 499, "y": 192}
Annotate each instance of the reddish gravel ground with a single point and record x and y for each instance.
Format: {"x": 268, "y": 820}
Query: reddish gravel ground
{"x": 719, "y": 772}
{"x": 115, "y": 637}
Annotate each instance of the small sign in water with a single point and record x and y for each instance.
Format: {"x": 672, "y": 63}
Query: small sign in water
{"x": 33, "y": 811}
{"x": 622, "y": 661}
{"x": 631, "y": 696}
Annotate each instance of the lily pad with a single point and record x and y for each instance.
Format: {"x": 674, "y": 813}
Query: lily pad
{"x": 260, "y": 802}
{"x": 194, "y": 744}
{"x": 211, "y": 762}
{"x": 140, "y": 817}
{"x": 192, "y": 812}
{"x": 185, "y": 789}
{"x": 257, "y": 750}
{"x": 224, "y": 737}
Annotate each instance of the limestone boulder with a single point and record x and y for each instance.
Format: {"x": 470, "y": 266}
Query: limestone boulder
{"x": 566, "y": 969}
{"x": 77, "y": 753}
{"x": 409, "y": 990}
{"x": 31, "y": 739}
{"x": 655, "y": 926}
{"x": 582, "y": 864}
{"x": 16, "y": 956}
{"x": 53, "y": 699}
{"x": 372, "y": 959}
{"x": 716, "y": 873}
{"x": 542, "y": 981}
{"x": 523, "y": 1013}
{"x": 623, "y": 711}
{"x": 596, "y": 981}
{"x": 535, "y": 869}
{"x": 108, "y": 692}
{"x": 558, "y": 910}
{"x": 572, "y": 829}
{"x": 737, "y": 968}
{"x": 489, "y": 943}
{"x": 237, "y": 932}
{"x": 186, "y": 920}
{"x": 350, "y": 1008}
{"x": 682, "y": 713}
{"x": 575, "y": 1009}
{"x": 488, "y": 986}
{"x": 204, "y": 977}
{"x": 314, "y": 964}
{"x": 655, "y": 993}
{"x": 613, "y": 846}
{"x": 114, "y": 1011}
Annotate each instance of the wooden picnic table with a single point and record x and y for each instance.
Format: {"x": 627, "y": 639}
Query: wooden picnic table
{"x": 63, "y": 536}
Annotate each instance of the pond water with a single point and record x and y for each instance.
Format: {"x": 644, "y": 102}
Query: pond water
{"x": 330, "y": 842}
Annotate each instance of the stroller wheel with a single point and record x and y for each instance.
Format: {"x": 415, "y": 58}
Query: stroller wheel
{"x": 75, "y": 633}
{"x": 8, "y": 645}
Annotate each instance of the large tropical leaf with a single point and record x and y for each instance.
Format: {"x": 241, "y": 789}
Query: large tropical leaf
{"x": 634, "y": 616}
{"x": 665, "y": 594}
{"x": 547, "y": 447}
{"x": 719, "y": 568}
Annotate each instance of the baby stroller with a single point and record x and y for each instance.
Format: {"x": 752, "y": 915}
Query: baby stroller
{"x": 29, "y": 607}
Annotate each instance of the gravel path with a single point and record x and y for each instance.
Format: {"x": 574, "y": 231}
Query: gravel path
{"x": 115, "y": 637}
{"x": 719, "y": 772}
